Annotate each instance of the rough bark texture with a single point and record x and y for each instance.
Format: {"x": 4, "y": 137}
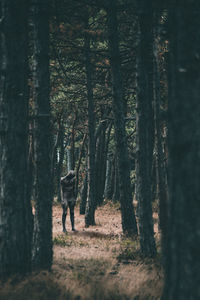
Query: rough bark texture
{"x": 42, "y": 239}
{"x": 183, "y": 259}
{"x": 91, "y": 203}
{"x": 15, "y": 209}
{"x": 127, "y": 210}
{"x": 145, "y": 130}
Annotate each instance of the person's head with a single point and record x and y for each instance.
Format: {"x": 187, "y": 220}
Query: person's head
{"x": 70, "y": 174}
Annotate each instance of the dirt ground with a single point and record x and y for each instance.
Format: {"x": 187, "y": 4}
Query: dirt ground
{"x": 101, "y": 256}
{"x": 95, "y": 263}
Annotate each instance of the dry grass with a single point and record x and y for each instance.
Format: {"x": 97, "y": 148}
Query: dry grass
{"x": 92, "y": 263}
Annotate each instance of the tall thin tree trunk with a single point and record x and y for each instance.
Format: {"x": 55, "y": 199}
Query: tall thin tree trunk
{"x": 91, "y": 203}
{"x": 145, "y": 129}
{"x": 72, "y": 146}
{"x": 54, "y": 150}
{"x": 15, "y": 208}
{"x": 42, "y": 239}
{"x": 107, "y": 162}
{"x": 160, "y": 168}
{"x": 79, "y": 163}
{"x": 83, "y": 194}
{"x": 183, "y": 260}
{"x": 60, "y": 162}
{"x": 116, "y": 190}
{"x": 128, "y": 217}
{"x": 109, "y": 183}
{"x": 100, "y": 166}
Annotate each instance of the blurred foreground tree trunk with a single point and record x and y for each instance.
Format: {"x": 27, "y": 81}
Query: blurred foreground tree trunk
{"x": 182, "y": 267}
{"x": 42, "y": 238}
{"x": 145, "y": 129}
{"x": 128, "y": 217}
{"x": 15, "y": 208}
{"x": 161, "y": 173}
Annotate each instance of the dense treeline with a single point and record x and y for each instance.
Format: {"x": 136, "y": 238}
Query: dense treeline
{"x": 111, "y": 90}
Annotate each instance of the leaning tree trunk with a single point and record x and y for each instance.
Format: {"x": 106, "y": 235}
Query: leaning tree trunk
{"x": 42, "y": 239}
{"x": 182, "y": 275}
{"x": 91, "y": 203}
{"x": 15, "y": 208}
{"x": 128, "y": 217}
{"x": 145, "y": 130}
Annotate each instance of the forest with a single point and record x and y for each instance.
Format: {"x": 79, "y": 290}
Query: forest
{"x": 111, "y": 90}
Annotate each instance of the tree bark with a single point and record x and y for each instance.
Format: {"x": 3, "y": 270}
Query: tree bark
{"x": 100, "y": 166}
{"x": 42, "y": 239}
{"x": 128, "y": 217}
{"x": 109, "y": 184}
{"x": 15, "y": 208}
{"x": 160, "y": 157}
{"x": 183, "y": 260}
{"x": 61, "y": 158}
{"x": 72, "y": 146}
{"x": 84, "y": 194}
{"x": 145, "y": 129}
{"x": 79, "y": 163}
{"x": 116, "y": 190}
{"x": 91, "y": 203}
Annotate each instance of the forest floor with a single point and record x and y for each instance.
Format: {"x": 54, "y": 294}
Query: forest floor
{"x": 92, "y": 263}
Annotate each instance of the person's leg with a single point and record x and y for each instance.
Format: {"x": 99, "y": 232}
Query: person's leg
{"x": 64, "y": 214}
{"x": 71, "y": 208}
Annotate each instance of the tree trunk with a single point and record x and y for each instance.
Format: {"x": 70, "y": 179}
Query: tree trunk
{"x": 42, "y": 239}
{"x": 108, "y": 192}
{"x": 116, "y": 190}
{"x": 107, "y": 174}
{"x": 128, "y": 217}
{"x": 60, "y": 162}
{"x": 160, "y": 168}
{"x": 69, "y": 158}
{"x": 183, "y": 260}
{"x": 91, "y": 203}
{"x": 54, "y": 158}
{"x": 145, "y": 130}
{"x": 84, "y": 195}
{"x": 79, "y": 164}
{"x": 15, "y": 208}
{"x": 72, "y": 146}
{"x": 100, "y": 166}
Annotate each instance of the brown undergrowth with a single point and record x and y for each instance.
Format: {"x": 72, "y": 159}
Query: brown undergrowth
{"x": 93, "y": 263}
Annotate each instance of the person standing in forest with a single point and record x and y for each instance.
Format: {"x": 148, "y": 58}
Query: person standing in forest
{"x": 68, "y": 197}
